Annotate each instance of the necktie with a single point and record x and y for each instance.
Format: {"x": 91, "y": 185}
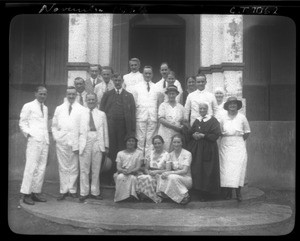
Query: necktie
{"x": 70, "y": 109}
{"x": 92, "y": 124}
{"x": 81, "y": 99}
{"x": 106, "y": 89}
{"x": 148, "y": 87}
{"x": 164, "y": 83}
{"x": 118, "y": 92}
{"x": 42, "y": 109}
{"x": 94, "y": 82}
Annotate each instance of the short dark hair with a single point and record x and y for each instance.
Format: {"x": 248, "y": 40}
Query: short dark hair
{"x": 107, "y": 68}
{"x": 91, "y": 93}
{"x": 40, "y": 87}
{"x": 96, "y": 65}
{"x": 165, "y": 64}
{"x": 190, "y": 77}
{"x": 116, "y": 75}
{"x": 148, "y": 67}
{"x": 157, "y": 137}
{"x": 178, "y": 136}
{"x": 200, "y": 75}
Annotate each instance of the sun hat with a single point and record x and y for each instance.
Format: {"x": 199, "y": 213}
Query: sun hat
{"x": 233, "y": 99}
{"x": 172, "y": 88}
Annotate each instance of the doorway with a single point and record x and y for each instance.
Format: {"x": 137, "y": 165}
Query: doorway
{"x": 158, "y": 38}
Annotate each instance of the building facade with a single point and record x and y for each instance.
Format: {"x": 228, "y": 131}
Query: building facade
{"x": 251, "y": 57}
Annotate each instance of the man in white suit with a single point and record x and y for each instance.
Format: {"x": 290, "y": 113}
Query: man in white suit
{"x": 135, "y": 76}
{"x": 34, "y": 125}
{"x": 93, "y": 140}
{"x": 65, "y": 130}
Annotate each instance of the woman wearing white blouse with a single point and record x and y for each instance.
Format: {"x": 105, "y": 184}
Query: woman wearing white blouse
{"x": 176, "y": 180}
{"x": 233, "y": 154}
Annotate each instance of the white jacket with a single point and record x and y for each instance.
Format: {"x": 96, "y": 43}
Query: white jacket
{"x": 33, "y": 122}
{"x": 100, "y": 121}
{"x": 65, "y": 127}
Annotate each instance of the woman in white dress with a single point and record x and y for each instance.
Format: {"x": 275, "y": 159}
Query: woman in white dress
{"x": 219, "y": 94}
{"x": 128, "y": 167}
{"x": 171, "y": 117}
{"x": 176, "y": 181}
{"x": 233, "y": 154}
{"x": 155, "y": 165}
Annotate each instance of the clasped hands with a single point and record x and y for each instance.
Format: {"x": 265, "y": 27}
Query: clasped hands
{"x": 198, "y": 135}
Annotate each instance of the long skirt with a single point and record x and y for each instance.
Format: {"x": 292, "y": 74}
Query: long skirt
{"x": 146, "y": 184}
{"x": 174, "y": 186}
{"x": 233, "y": 161}
{"x": 125, "y": 186}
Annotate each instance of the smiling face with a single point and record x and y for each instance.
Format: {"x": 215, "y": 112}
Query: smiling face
{"x": 106, "y": 75}
{"x": 148, "y": 74}
{"x": 219, "y": 96}
{"x": 41, "y": 95}
{"x": 170, "y": 79}
{"x": 191, "y": 84}
{"x": 203, "y": 109}
{"x": 233, "y": 107}
{"x": 158, "y": 144}
{"x": 164, "y": 70}
{"x": 200, "y": 82}
{"x": 71, "y": 95}
{"x": 91, "y": 101}
{"x": 177, "y": 143}
{"x": 131, "y": 143}
{"x": 134, "y": 66}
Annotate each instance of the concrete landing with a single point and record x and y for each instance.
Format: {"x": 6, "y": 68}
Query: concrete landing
{"x": 195, "y": 216}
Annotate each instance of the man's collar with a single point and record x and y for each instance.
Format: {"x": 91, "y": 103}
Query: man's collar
{"x": 120, "y": 90}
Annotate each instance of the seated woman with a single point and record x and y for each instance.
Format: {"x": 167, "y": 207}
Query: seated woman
{"x": 154, "y": 166}
{"x": 176, "y": 180}
{"x": 128, "y": 167}
{"x": 203, "y": 146}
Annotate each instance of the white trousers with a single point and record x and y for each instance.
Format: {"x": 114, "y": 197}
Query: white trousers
{"x": 145, "y": 130}
{"x": 90, "y": 159}
{"x": 68, "y": 168}
{"x": 34, "y": 172}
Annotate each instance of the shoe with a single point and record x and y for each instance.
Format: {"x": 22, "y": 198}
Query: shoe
{"x": 228, "y": 194}
{"x": 62, "y": 196}
{"x": 36, "y": 197}
{"x": 186, "y": 200}
{"x": 27, "y": 199}
{"x": 82, "y": 198}
{"x": 98, "y": 197}
{"x": 73, "y": 195}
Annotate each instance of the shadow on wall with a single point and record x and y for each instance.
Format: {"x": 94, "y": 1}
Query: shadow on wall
{"x": 271, "y": 154}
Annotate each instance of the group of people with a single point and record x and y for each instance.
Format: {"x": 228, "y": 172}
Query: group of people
{"x": 161, "y": 141}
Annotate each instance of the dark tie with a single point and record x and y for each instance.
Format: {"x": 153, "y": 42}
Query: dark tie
{"x": 42, "y": 109}
{"x": 164, "y": 83}
{"x": 118, "y": 92}
{"x": 148, "y": 87}
{"x": 92, "y": 124}
{"x": 70, "y": 109}
{"x": 81, "y": 99}
{"x": 94, "y": 82}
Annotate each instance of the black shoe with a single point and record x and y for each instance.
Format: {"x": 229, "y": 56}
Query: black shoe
{"x": 82, "y": 198}
{"x": 27, "y": 199}
{"x": 62, "y": 196}
{"x": 73, "y": 195}
{"x": 98, "y": 197}
{"x": 36, "y": 197}
{"x": 186, "y": 200}
{"x": 238, "y": 194}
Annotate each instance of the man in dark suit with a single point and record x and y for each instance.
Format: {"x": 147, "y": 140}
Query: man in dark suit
{"x": 119, "y": 107}
{"x": 94, "y": 79}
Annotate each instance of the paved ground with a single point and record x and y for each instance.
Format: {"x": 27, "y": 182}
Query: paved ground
{"x": 22, "y": 222}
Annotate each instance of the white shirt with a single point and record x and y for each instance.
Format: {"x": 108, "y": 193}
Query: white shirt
{"x": 34, "y": 122}
{"x": 132, "y": 79}
{"x": 194, "y": 99}
{"x": 65, "y": 126}
{"x": 101, "y": 88}
{"x": 161, "y": 89}
{"x": 146, "y": 102}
